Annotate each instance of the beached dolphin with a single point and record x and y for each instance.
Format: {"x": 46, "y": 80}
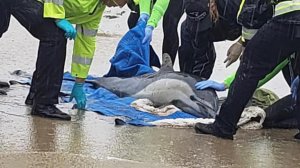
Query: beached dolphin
{"x": 165, "y": 87}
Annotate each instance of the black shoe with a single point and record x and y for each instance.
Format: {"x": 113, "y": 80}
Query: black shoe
{"x": 29, "y": 99}
{"x": 3, "y": 92}
{"x": 49, "y": 111}
{"x": 297, "y": 136}
{"x": 210, "y": 129}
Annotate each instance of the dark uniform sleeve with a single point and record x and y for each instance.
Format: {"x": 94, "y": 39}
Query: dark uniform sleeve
{"x": 252, "y": 15}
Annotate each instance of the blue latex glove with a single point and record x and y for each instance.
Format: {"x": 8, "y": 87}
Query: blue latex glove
{"x": 79, "y": 95}
{"x": 210, "y": 84}
{"x": 294, "y": 88}
{"x": 70, "y": 31}
{"x": 148, "y": 34}
{"x": 144, "y": 17}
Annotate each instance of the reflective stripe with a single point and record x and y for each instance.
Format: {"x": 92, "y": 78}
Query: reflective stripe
{"x": 81, "y": 60}
{"x": 86, "y": 32}
{"x": 57, "y": 2}
{"x": 286, "y": 7}
{"x": 240, "y": 9}
{"x": 248, "y": 33}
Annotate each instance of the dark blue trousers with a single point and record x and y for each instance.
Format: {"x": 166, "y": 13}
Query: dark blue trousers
{"x": 49, "y": 69}
{"x": 275, "y": 41}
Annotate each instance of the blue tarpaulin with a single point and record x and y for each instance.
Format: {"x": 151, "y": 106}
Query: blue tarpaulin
{"x": 104, "y": 102}
{"x": 132, "y": 58}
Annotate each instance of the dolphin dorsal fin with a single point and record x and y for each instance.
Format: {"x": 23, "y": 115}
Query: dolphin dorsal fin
{"x": 167, "y": 64}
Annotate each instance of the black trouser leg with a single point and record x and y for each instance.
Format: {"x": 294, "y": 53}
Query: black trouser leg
{"x": 196, "y": 53}
{"x": 5, "y": 13}
{"x": 33, "y": 83}
{"x": 48, "y": 74}
{"x": 297, "y": 108}
{"x": 281, "y": 114}
{"x": 132, "y": 19}
{"x": 170, "y": 23}
{"x": 271, "y": 45}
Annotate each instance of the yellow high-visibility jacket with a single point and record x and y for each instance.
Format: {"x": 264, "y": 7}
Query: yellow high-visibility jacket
{"x": 86, "y": 15}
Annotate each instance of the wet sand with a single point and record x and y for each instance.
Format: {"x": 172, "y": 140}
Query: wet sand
{"x": 92, "y": 140}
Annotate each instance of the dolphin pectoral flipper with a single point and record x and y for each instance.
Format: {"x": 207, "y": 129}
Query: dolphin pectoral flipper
{"x": 204, "y": 103}
{"x": 186, "y": 107}
{"x": 201, "y": 101}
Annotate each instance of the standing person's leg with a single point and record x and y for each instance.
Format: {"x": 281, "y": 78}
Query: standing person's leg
{"x": 132, "y": 19}
{"x": 170, "y": 23}
{"x": 134, "y": 14}
{"x": 5, "y": 13}
{"x": 268, "y": 47}
{"x": 30, "y": 97}
{"x": 196, "y": 53}
{"x": 51, "y": 57}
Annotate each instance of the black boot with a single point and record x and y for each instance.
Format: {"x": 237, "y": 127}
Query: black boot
{"x": 297, "y": 136}
{"x": 49, "y": 111}
{"x": 210, "y": 129}
{"x": 29, "y": 99}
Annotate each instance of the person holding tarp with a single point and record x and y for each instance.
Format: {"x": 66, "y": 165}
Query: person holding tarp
{"x": 173, "y": 12}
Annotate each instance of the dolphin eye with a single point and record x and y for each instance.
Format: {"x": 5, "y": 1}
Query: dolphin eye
{"x": 192, "y": 97}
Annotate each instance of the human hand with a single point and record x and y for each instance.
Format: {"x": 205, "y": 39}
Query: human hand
{"x": 210, "y": 84}
{"x": 148, "y": 34}
{"x": 67, "y": 27}
{"x": 144, "y": 17}
{"x": 233, "y": 53}
{"x": 79, "y": 95}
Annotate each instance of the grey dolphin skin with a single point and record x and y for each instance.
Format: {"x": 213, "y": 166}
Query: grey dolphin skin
{"x": 165, "y": 87}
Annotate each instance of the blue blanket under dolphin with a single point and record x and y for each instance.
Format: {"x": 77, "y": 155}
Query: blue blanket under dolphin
{"x": 131, "y": 59}
{"x": 106, "y": 103}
